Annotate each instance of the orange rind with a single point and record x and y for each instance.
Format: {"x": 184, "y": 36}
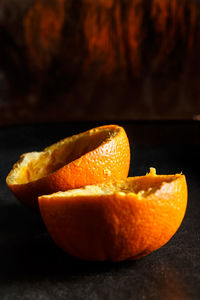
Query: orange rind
{"x": 116, "y": 220}
{"x": 91, "y": 157}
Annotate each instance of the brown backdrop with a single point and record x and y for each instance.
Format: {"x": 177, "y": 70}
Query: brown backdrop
{"x": 102, "y": 59}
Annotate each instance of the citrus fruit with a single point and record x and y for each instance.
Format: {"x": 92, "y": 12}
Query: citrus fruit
{"x": 119, "y": 220}
{"x": 91, "y": 157}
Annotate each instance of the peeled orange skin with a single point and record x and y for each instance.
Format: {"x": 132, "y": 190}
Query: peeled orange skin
{"x": 116, "y": 225}
{"x": 91, "y": 157}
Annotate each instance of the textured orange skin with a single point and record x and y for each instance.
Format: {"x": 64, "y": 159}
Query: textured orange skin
{"x": 116, "y": 227}
{"x": 111, "y": 160}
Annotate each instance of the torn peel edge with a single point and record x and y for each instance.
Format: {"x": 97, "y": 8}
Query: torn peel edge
{"x": 33, "y": 166}
{"x": 132, "y": 186}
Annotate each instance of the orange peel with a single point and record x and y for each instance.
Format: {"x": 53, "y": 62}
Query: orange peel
{"x": 118, "y": 220}
{"x": 91, "y": 157}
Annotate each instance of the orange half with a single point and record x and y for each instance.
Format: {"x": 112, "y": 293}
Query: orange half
{"x": 116, "y": 220}
{"x": 91, "y": 157}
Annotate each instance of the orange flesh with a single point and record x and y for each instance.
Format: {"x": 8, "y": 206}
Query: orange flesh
{"x": 125, "y": 219}
{"x": 36, "y": 165}
{"x": 141, "y": 185}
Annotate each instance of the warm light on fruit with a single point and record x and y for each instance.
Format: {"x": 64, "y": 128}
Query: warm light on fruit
{"x": 91, "y": 157}
{"x": 117, "y": 220}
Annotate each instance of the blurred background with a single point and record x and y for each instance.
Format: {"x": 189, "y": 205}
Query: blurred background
{"x": 110, "y": 60}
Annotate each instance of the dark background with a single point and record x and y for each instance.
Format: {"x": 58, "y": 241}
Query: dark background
{"x": 99, "y": 60}
{"x": 33, "y": 267}
{"x": 67, "y": 66}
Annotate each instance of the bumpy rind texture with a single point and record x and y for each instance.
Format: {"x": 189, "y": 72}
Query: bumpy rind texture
{"x": 117, "y": 226}
{"x": 111, "y": 160}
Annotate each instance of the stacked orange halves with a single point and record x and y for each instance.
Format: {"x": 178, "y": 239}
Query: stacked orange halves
{"x": 89, "y": 206}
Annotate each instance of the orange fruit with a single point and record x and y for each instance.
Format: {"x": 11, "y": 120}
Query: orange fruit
{"x": 91, "y": 157}
{"x": 118, "y": 220}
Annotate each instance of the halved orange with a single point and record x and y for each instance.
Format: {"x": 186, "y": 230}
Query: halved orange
{"x": 91, "y": 157}
{"x": 116, "y": 220}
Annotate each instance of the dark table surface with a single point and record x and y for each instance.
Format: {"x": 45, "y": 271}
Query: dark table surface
{"x": 33, "y": 267}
